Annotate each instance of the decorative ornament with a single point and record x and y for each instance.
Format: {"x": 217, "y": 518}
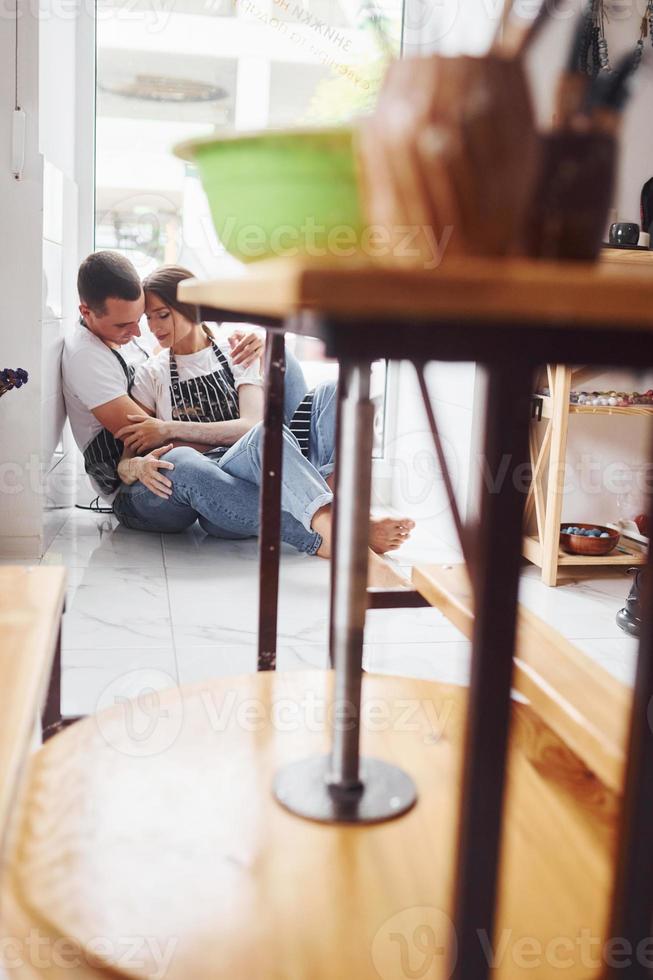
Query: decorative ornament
{"x": 12, "y": 379}
{"x": 594, "y": 54}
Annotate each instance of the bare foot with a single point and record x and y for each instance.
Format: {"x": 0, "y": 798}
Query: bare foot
{"x": 389, "y": 533}
{"x": 382, "y": 575}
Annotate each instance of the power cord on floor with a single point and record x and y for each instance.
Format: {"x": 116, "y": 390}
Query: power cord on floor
{"x": 95, "y": 507}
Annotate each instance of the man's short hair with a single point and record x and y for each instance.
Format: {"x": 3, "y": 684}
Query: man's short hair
{"x": 107, "y": 275}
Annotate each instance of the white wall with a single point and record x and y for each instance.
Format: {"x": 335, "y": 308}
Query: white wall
{"x": 39, "y": 221}
{"x": 21, "y": 520}
{"x": 58, "y": 145}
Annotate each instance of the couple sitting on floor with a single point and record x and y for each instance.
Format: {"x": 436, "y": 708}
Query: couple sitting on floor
{"x": 176, "y": 437}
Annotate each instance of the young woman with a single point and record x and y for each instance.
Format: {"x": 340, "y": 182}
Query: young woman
{"x": 206, "y": 401}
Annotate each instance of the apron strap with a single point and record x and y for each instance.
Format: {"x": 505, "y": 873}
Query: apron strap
{"x": 128, "y": 369}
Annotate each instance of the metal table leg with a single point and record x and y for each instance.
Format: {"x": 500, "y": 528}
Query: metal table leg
{"x": 342, "y": 787}
{"x": 633, "y": 890}
{"x": 270, "y": 520}
{"x": 497, "y": 560}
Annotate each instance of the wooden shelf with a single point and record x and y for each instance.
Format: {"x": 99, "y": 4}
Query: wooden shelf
{"x": 547, "y": 457}
{"x": 631, "y": 555}
{"x": 547, "y": 409}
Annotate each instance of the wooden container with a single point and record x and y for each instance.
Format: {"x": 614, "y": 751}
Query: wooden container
{"x": 572, "y": 197}
{"x": 578, "y": 544}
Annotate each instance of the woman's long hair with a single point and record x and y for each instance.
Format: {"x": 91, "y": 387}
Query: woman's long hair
{"x": 163, "y": 283}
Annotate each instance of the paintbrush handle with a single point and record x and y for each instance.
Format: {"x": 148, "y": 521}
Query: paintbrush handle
{"x": 570, "y": 97}
{"x": 515, "y": 34}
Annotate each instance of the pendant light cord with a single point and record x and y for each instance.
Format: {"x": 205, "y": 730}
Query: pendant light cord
{"x": 17, "y": 106}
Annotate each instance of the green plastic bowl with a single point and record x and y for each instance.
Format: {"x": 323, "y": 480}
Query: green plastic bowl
{"x": 281, "y": 193}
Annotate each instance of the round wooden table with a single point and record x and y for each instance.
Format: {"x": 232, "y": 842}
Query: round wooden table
{"x": 148, "y": 836}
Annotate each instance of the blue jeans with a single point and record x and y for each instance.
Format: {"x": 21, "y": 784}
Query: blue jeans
{"x": 223, "y": 494}
{"x": 322, "y": 439}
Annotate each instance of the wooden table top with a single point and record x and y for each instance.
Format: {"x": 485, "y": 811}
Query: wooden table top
{"x": 31, "y": 603}
{"x": 610, "y": 294}
{"x": 160, "y": 823}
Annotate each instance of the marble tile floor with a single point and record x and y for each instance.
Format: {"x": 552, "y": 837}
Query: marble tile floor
{"x": 151, "y": 611}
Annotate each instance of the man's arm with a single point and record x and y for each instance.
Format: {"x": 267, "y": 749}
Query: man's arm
{"x": 114, "y": 415}
{"x": 146, "y": 433}
{"x": 119, "y": 414}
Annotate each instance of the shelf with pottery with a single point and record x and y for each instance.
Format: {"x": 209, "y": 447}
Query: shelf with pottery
{"x": 545, "y": 506}
{"x": 574, "y": 409}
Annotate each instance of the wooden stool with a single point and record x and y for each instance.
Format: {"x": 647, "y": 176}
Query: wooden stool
{"x": 149, "y": 836}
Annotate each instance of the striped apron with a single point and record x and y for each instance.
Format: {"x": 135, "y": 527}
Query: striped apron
{"x": 214, "y": 398}
{"x": 104, "y": 452}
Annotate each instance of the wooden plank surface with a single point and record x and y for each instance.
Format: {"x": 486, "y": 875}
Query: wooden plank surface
{"x": 602, "y": 296}
{"x": 31, "y": 604}
{"x": 575, "y": 696}
{"x": 629, "y": 257}
{"x": 176, "y": 838}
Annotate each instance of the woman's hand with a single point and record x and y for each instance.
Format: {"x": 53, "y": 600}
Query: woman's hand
{"x": 148, "y": 468}
{"x": 246, "y": 348}
{"x": 143, "y": 433}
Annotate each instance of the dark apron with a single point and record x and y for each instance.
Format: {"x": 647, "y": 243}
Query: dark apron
{"x": 207, "y": 398}
{"x": 104, "y": 452}
{"x": 214, "y": 398}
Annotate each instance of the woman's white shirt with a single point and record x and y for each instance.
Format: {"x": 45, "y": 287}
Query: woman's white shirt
{"x": 152, "y": 383}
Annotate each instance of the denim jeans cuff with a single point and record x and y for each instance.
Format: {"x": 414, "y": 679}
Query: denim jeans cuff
{"x": 322, "y": 501}
{"x": 315, "y": 545}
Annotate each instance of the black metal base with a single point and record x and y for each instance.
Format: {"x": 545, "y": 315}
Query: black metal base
{"x": 303, "y": 788}
{"x": 628, "y": 623}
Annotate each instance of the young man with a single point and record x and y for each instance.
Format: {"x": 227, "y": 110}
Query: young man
{"x": 98, "y": 370}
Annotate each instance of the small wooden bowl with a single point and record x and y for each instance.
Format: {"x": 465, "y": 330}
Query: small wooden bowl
{"x": 578, "y": 544}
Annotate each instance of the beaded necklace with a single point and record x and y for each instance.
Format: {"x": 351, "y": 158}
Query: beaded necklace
{"x": 594, "y": 55}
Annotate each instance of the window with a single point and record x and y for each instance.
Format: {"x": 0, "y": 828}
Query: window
{"x": 169, "y": 70}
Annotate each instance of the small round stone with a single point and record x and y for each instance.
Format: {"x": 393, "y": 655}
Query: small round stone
{"x": 604, "y": 534}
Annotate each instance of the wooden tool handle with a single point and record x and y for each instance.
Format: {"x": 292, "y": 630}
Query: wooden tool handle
{"x": 515, "y": 34}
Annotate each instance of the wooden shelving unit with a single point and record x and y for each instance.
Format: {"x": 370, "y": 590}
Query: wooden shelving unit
{"x": 543, "y": 547}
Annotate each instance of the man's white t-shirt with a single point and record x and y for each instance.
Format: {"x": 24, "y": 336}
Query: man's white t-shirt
{"x": 92, "y": 376}
{"x": 152, "y": 383}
